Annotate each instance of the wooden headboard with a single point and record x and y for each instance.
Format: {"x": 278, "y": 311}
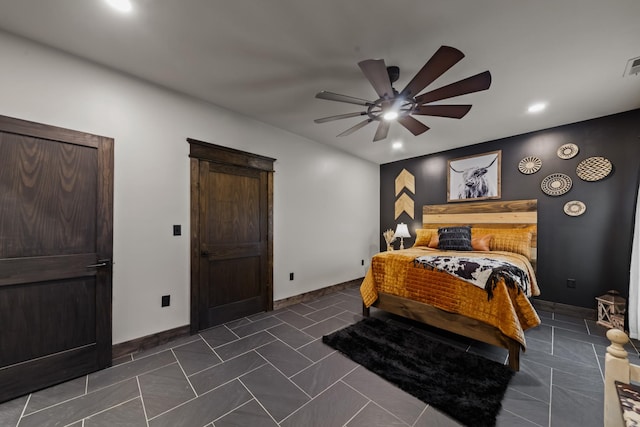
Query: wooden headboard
{"x": 498, "y": 214}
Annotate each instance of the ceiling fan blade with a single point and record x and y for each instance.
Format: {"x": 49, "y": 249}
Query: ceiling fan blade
{"x": 471, "y": 84}
{"x": 452, "y": 111}
{"x": 352, "y": 129}
{"x": 375, "y": 71}
{"x": 340, "y": 116}
{"x": 382, "y": 131}
{"x": 330, "y": 96}
{"x": 413, "y": 125}
{"x": 445, "y": 58}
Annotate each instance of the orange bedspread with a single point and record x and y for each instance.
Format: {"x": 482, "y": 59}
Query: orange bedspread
{"x": 509, "y": 310}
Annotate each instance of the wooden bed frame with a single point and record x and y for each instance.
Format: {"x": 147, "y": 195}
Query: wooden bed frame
{"x": 616, "y": 368}
{"x": 500, "y": 214}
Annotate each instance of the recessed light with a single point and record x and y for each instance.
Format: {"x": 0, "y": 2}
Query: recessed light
{"x": 396, "y": 145}
{"x": 537, "y": 107}
{"x": 121, "y": 5}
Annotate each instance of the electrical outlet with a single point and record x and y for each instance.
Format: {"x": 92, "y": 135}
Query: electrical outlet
{"x": 166, "y": 300}
{"x": 290, "y": 276}
{"x": 571, "y": 283}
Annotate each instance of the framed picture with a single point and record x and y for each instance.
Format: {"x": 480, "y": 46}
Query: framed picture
{"x": 474, "y": 177}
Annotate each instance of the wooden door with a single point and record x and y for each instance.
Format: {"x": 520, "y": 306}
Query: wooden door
{"x": 233, "y": 245}
{"x": 56, "y": 192}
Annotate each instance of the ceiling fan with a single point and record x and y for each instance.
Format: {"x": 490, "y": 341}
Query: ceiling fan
{"x": 401, "y": 106}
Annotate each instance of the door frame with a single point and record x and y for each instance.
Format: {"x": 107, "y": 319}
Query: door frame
{"x": 204, "y": 151}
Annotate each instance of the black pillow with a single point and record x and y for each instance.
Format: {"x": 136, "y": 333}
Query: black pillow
{"x": 454, "y": 238}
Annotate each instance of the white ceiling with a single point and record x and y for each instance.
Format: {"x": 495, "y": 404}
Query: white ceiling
{"x": 267, "y": 59}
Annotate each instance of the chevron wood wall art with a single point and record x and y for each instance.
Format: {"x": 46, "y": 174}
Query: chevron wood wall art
{"x": 405, "y": 180}
{"x": 404, "y": 204}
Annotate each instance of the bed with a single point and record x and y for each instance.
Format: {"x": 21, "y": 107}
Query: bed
{"x": 621, "y": 378}
{"x": 396, "y": 283}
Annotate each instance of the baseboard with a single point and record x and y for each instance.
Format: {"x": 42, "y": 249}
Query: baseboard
{"x": 149, "y": 341}
{"x": 308, "y": 296}
{"x": 569, "y": 310}
{"x": 153, "y": 340}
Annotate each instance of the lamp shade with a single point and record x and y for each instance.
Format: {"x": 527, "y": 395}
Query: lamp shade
{"x": 402, "y": 230}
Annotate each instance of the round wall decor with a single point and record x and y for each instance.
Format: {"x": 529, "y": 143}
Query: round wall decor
{"x": 530, "y": 165}
{"x": 556, "y": 184}
{"x": 574, "y": 208}
{"x": 594, "y": 168}
{"x": 568, "y": 151}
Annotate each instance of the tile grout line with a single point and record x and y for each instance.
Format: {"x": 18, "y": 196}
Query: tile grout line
{"x": 254, "y": 398}
{"x": 128, "y": 378}
{"x": 294, "y": 349}
{"x": 144, "y": 407}
{"x": 231, "y": 358}
{"x": 318, "y": 395}
{"x": 263, "y": 329}
{"x": 206, "y": 392}
{"x": 183, "y": 373}
{"x": 244, "y": 404}
{"x": 74, "y": 397}
{"x": 288, "y": 378}
{"x": 104, "y": 410}
{"x": 363, "y": 406}
{"x": 24, "y": 409}
{"x": 598, "y": 362}
{"x": 250, "y": 335}
{"x": 86, "y": 388}
{"x": 208, "y": 345}
{"x": 521, "y": 417}
{"x": 550, "y": 396}
{"x": 284, "y": 322}
{"x": 421, "y": 414}
{"x": 371, "y": 401}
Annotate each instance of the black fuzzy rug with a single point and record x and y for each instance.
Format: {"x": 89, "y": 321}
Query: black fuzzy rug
{"x": 467, "y": 387}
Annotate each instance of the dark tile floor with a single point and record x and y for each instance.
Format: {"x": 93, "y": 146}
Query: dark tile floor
{"x": 273, "y": 370}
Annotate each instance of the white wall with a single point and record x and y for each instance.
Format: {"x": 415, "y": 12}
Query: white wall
{"x": 326, "y": 202}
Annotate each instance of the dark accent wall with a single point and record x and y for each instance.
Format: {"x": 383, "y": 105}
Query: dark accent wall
{"x": 594, "y": 248}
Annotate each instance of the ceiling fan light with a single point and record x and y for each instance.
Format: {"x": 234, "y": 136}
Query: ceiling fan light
{"x": 121, "y": 5}
{"x": 390, "y": 115}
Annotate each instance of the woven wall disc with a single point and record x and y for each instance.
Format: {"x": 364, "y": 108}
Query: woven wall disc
{"x": 574, "y": 208}
{"x": 556, "y": 184}
{"x": 568, "y": 151}
{"x": 529, "y": 165}
{"x": 594, "y": 169}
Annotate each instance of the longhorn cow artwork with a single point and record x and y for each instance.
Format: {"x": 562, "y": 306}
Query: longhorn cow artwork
{"x": 474, "y": 177}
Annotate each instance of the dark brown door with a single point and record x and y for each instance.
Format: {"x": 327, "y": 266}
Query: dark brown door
{"x": 233, "y": 239}
{"x": 56, "y": 192}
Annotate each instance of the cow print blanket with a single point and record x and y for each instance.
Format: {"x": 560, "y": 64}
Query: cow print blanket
{"x": 484, "y": 273}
